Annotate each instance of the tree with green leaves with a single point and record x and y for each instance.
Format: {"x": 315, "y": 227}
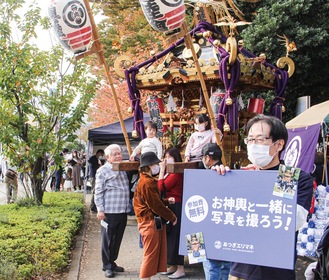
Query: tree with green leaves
{"x": 303, "y": 22}
{"x": 43, "y": 95}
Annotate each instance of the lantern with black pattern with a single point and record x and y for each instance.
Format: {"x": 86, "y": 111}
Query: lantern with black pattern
{"x": 71, "y": 24}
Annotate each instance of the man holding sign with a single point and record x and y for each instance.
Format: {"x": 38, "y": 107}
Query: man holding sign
{"x": 214, "y": 269}
{"x": 266, "y": 140}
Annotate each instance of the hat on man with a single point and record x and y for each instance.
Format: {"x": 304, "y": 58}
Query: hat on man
{"x": 211, "y": 149}
{"x": 149, "y": 158}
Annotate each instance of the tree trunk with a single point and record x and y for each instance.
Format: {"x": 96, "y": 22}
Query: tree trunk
{"x": 37, "y": 180}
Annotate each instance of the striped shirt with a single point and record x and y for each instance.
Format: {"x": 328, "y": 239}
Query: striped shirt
{"x": 112, "y": 190}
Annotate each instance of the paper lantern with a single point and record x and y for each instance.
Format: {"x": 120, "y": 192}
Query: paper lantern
{"x": 164, "y": 15}
{"x": 71, "y": 24}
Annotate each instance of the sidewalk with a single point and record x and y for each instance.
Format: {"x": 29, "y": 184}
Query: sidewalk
{"x": 130, "y": 256}
{"x": 87, "y": 264}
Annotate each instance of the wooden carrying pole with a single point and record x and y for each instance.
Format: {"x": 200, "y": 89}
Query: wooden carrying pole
{"x": 98, "y": 50}
{"x": 189, "y": 45}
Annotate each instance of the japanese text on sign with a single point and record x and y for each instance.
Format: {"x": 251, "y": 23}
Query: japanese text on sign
{"x": 243, "y": 213}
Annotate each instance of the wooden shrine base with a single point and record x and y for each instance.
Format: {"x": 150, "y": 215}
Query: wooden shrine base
{"x": 125, "y": 166}
{"x": 177, "y": 167}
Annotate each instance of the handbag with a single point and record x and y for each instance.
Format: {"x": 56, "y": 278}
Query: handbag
{"x": 158, "y": 222}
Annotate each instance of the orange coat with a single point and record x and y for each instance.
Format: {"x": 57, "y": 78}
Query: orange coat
{"x": 147, "y": 200}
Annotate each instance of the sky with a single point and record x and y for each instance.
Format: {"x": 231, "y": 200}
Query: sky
{"x": 45, "y": 38}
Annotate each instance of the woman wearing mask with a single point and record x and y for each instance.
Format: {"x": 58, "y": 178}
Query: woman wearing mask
{"x": 172, "y": 186}
{"x": 148, "y": 205}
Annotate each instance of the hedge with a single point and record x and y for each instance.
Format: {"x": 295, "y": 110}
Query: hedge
{"x": 35, "y": 240}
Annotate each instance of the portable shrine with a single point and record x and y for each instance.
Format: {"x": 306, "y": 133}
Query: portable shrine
{"x": 205, "y": 70}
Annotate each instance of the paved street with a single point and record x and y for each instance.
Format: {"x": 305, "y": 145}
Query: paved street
{"x": 2, "y": 193}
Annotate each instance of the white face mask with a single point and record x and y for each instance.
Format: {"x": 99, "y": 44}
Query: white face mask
{"x": 200, "y": 127}
{"x": 155, "y": 169}
{"x": 259, "y": 154}
{"x": 170, "y": 160}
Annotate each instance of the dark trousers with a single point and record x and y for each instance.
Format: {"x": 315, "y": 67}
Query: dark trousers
{"x": 173, "y": 258}
{"x": 111, "y": 239}
{"x": 92, "y": 202}
{"x": 58, "y": 178}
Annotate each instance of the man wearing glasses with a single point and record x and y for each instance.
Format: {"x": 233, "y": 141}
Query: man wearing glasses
{"x": 266, "y": 140}
{"x": 112, "y": 194}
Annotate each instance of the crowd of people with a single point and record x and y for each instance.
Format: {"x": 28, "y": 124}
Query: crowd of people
{"x": 72, "y": 172}
{"x": 69, "y": 173}
{"x": 157, "y": 200}
{"x": 157, "y": 196}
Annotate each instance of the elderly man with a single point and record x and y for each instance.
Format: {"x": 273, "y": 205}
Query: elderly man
{"x": 214, "y": 269}
{"x": 266, "y": 140}
{"x": 112, "y": 195}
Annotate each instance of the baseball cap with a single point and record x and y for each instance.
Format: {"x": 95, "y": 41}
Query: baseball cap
{"x": 211, "y": 149}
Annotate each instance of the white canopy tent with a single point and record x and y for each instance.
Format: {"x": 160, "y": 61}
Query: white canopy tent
{"x": 313, "y": 115}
